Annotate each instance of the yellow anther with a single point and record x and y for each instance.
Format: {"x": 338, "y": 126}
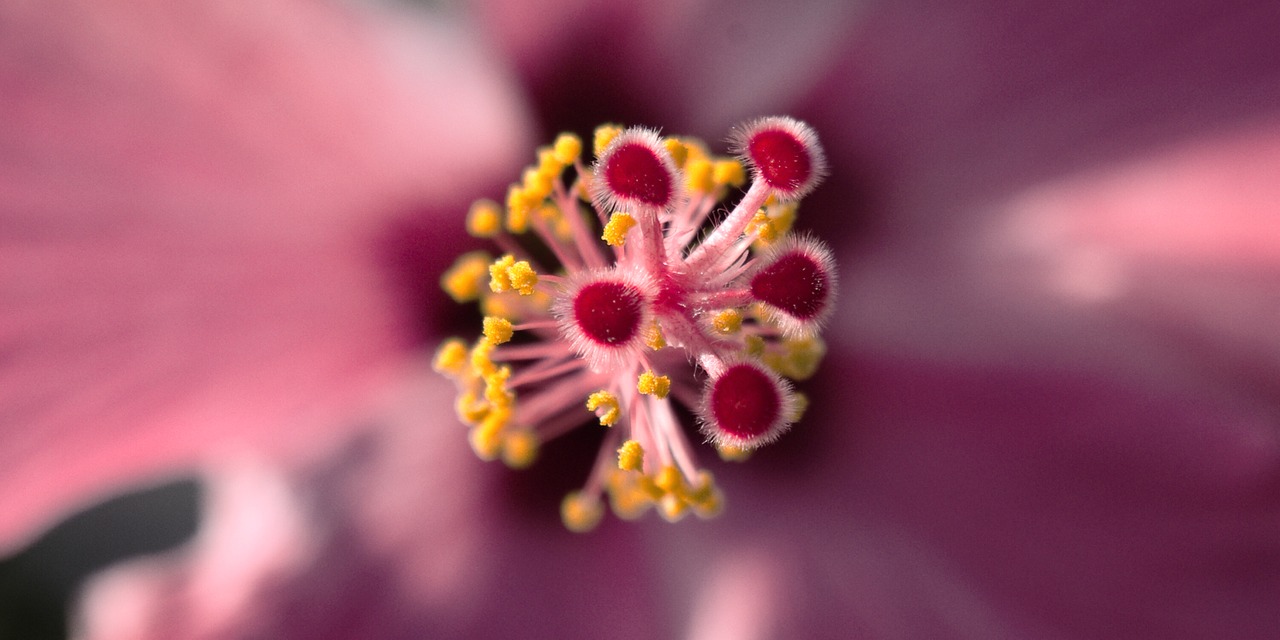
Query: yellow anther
{"x": 727, "y": 322}
{"x": 536, "y": 185}
{"x": 486, "y": 442}
{"x": 471, "y": 410}
{"x": 802, "y": 357}
{"x": 605, "y": 134}
{"x": 672, "y": 508}
{"x": 499, "y": 304}
{"x": 522, "y": 277}
{"x": 653, "y": 338}
{"x": 670, "y": 480}
{"x": 699, "y": 175}
{"x": 630, "y": 456}
{"x": 519, "y": 205}
{"x": 646, "y": 485}
{"x": 465, "y": 278}
{"x": 548, "y": 212}
{"x": 481, "y": 363}
{"x": 729, "y": 172}
{"x": 451, "y": 358}
{"x": 731, "y": 453}
{"x": 754, "y": 346}
{"x": 484, "y": 220}
{"x": 763, "y": 227}
{"x": 500, "y": 274}
{"x": 496, "y": 419}
{"x": 800, "y": 405}
{"x": 495, "y": 387}
{"x": 548, "y": 163}
{"x": 653, "y": 385}
{"x": 568, "y": 148}
{"x": 519, "y": 448}
{"x": 679, "y": 152}
{"x": 497, "y": 330}
{"x": 603, "y": 401}
{"x": 581, "y": 512}
{"x": 629, "y": 502}
{"x": 616, "y": 230}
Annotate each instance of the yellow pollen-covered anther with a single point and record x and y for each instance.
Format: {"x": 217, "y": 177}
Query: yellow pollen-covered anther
{"x": 729, "y": 172}
{"x": 615, "y": 231}
{"x": 653, "y": 385}
{"x": 605, "y": 404}
{"x": 727, "y": 322}
{"x": 630, "y": 456}
{"x": 465, "y": 278}
{"x": 497, "y": 330}
{"x": 604, "y": 134}
{"x": 500, "y": 274}
{"x": 451, "y": 358}
{"x": 581, "y": 512}
{"x": 519, "y": 448}
{"x": 699, "y": 175}
{"x": 484, "y": 220}
{"x": 679, "y": 152}
{"x": 523, "y": 278}
{"x": 567, "y": 148}
{"x": 519, "y": 205}
{"x": 653, "y": 338}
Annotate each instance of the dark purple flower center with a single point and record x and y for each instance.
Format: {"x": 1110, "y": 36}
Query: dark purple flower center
{"x": 634, "y": 172}
{"x": 782, "y": 160}
{"x": 608, "y": 313}
{"x": 745, "y": 402}
{"x": 795, "y": 284}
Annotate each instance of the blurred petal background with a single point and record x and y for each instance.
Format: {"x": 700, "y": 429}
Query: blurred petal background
{"x": 1050, "y": 410}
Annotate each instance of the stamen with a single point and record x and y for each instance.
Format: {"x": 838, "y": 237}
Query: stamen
{"x": 727, "y": 307}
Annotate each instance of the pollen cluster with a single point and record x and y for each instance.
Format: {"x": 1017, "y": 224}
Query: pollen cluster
{"x": 629, "y": 285}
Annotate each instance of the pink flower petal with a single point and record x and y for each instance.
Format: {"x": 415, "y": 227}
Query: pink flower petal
{"x": 192, "y": 196}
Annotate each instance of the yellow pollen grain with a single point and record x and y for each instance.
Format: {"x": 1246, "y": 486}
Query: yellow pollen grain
{"x": 615, "y": 231}
{"x": 567, "y": 148}
{"x": 481, "y": 364}
{"x": 753, "y": 346}
{"x": 451, "y": 358}
{"x": 729, "y": 172}
{"x": 630, "y": 456}
{"x": 727, "y": 322}
{"x": 497, "y": 330}
{"x": 672, "y": 508}
{"x": 607, "y": 402}
{"x": 654, "y": 385}
{"x": 523, "y": 278}
{"x": 604, "y": 134}
{"x": 484, "y": 219}
{"x": 581, "y": 512}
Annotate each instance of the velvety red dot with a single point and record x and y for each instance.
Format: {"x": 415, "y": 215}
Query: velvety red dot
{"x": 782, "y": 159}
{"x": 634, "y": 172}
{"x": 745, "y": 402}
{"x": 608, "y": 313}
{"x": 795, "y": 284}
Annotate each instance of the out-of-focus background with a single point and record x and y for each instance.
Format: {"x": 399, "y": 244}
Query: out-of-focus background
{"x": 1049, "y": 409}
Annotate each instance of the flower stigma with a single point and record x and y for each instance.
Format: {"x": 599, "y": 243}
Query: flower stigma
{"x": 629, "y": 286}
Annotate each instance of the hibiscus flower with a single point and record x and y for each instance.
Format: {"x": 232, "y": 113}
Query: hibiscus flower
{"x": 1049, "y": 407}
